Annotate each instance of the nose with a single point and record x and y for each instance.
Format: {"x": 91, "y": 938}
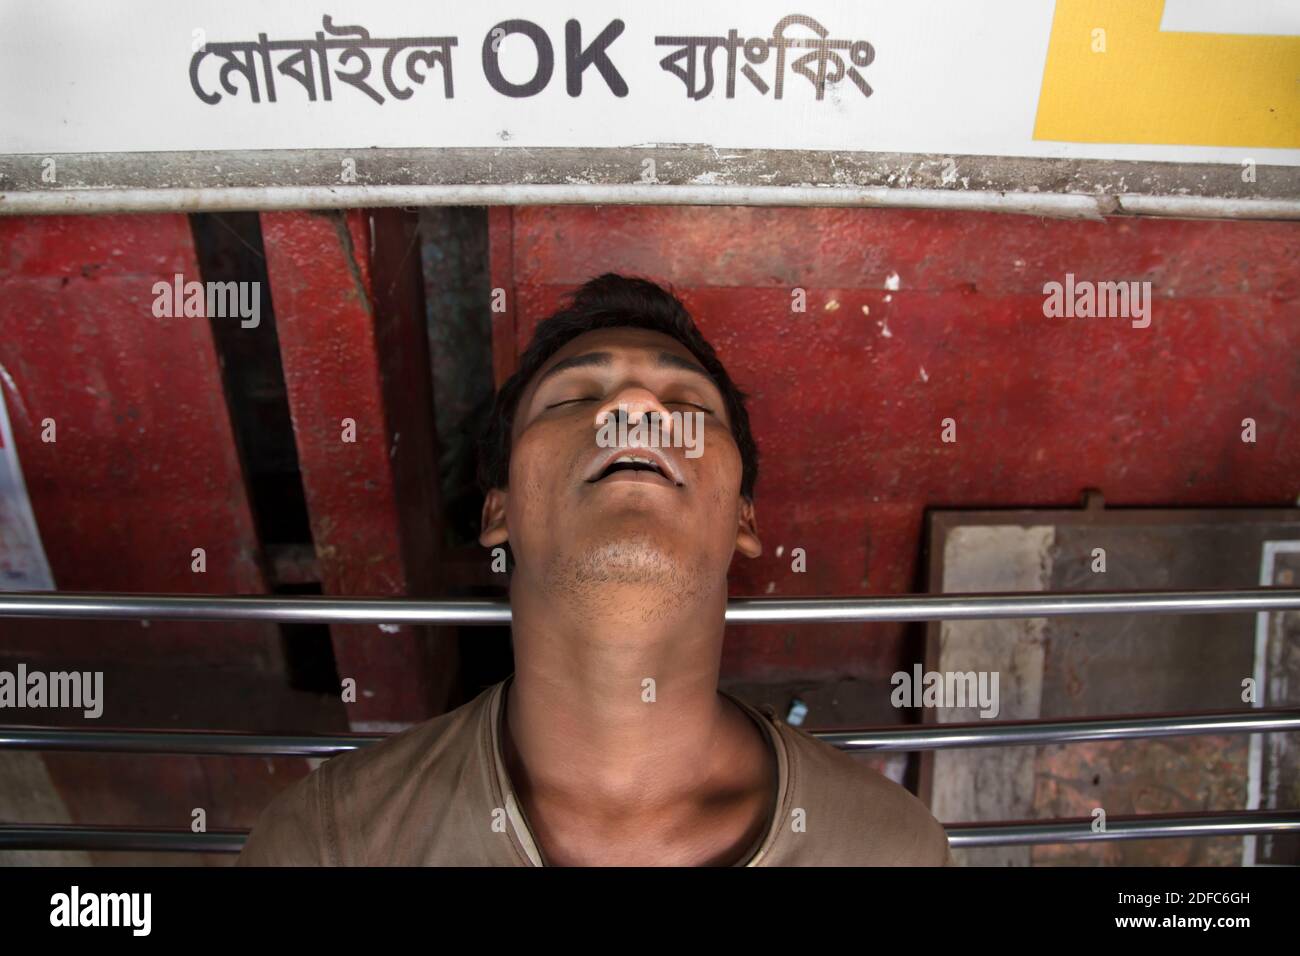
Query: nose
{"x": 636, "y": 403}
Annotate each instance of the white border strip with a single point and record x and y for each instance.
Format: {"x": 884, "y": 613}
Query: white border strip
{"x": 1243, "y": 18}
{"x": 1066, "y": 205}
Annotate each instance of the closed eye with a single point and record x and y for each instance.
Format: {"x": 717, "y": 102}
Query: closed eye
{"x": 570, "y": 401}
{"x": 693, "y": 405}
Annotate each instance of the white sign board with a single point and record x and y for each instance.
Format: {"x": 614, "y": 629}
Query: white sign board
{"x": 1085, "y": 79}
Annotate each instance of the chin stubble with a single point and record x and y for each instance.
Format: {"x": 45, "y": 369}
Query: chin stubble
{"x": 589, "y": 579}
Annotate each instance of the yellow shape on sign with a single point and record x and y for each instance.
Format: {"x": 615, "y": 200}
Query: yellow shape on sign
{"x": 1112, "y": 76}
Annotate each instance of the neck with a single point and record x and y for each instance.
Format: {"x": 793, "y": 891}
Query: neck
{"x": 614, "y": 707}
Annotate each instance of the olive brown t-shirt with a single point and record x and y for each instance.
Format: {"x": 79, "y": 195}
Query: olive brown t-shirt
{"x": 438, "y": 794}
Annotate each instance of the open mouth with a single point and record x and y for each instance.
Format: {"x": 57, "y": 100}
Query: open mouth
{"x": 632, "y": 466}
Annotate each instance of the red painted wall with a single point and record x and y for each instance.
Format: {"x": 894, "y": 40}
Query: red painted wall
{"x": 144, "y": 468}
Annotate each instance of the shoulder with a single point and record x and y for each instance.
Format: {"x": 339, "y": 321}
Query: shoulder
{"x": 854, "y": 815}
{"x": 289, "y": 831}
{"x": 357, "y": 801}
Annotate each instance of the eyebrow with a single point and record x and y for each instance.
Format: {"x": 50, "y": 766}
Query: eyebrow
{"x": 605, "y": 359}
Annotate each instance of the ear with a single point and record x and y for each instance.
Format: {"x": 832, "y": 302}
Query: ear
{"x": 747, "y": 542}
{"x": 493, "y": 530}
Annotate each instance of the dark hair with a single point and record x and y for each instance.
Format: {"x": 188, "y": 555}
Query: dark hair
{"x": 611, "y": 301}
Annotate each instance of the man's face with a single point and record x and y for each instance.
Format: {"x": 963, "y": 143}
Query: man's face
{"x": 575, "y": 516}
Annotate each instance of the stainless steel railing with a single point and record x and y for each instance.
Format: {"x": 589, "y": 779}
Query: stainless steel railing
{"x": 914, "y": 607}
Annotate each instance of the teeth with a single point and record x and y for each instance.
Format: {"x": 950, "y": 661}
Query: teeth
{"x": 636, "y": 460}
